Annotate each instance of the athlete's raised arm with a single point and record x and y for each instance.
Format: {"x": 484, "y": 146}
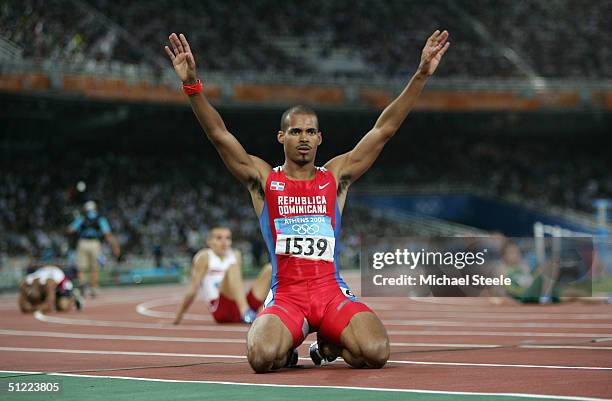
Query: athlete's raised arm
{"x": 350, "y": 166}
{"x": 250, "y": 170}
{"x": 198, "y": 271}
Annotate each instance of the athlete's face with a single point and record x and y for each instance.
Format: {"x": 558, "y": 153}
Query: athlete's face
{"x": 301, "y": 138}
{"x": 220, "y": 240}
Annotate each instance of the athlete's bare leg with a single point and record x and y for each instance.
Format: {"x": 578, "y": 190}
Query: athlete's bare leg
{"x": 261, "y": 285}
{"x": 268, "y": 344}
{"x": 365, "y": 343}
{"x": 82, "y": 277}
{"x": 232, "y": 287}
{"x": 82, "y": 267}
{"x": 94, "y": 267}
{"x": 94, "y": 277}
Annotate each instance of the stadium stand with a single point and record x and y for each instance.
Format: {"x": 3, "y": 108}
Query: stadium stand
{"x": 340, "y": 38}
{"x": 112, "y": 51}
{"x": 180, "y": 197}
{"x": 173, "y": 206}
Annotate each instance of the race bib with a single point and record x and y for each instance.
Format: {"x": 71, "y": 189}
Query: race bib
{"x": 307, "y": 237}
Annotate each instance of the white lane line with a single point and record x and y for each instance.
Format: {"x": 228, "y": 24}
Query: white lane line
{"x": 136, "y": 325}
{"x": 458, "y": 323}
{"x": 119, "y": 337}
{"x": 499, "y": 365}
{"x": 498, "y": 314}
{"x": 486, "y": 316}
{"x": 53, "y": 319}
{"x": 435, "y": 345}
{"x": 110, "y": 298}
{"x": 106, "y": 300}
{"x": 465, "y": 301}
{"x": 54, "y": 334}
{"x": 567, "y": 347}
{"x": 169, "y": 326}
{"x": 145, "y": 310}
{"x": 132, "y": 353}
{"x": 381, "y": 389}
{"x": 405, "y": 362}
{"x": 455, "y": 302}
{"x": 188, "y": 339}
{"x": 441, "y": 301}
{"x": 495, "y": 334}
{"x": 531, "y": 346}
{"x": 89, "y": 303}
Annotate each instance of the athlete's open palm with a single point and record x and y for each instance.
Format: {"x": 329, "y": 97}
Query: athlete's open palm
{"x": 433, "y": 51}
{"x": 182, "y": 58}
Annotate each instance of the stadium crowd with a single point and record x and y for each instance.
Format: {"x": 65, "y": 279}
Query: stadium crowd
{"x": 173, "y": 205}
{"x": 171, "y": 208}
{"x": 569, "y": 172}
{"x": 170, "y": 203}
{"x": 555, "y": 38}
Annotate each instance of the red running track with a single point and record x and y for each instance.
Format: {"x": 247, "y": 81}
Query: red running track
{"x": 437, "y": 344}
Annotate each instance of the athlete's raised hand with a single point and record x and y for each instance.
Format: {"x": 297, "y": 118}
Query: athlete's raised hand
{"x": 433, "y": 51}
{"x": 182, "y": 58}
{"x": 250, "y": 170}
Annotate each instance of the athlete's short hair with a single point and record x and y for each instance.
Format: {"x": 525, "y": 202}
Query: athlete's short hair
{"x": 299, "y": 109}
{"x": 34, "y": 293}
{"x": 217, "y": 228}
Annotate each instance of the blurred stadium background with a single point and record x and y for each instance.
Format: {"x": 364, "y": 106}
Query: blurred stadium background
{"x": 513, "y": 130}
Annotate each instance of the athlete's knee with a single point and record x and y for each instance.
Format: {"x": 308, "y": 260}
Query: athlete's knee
{"x": 232, "y": 271}
{"x": 371, "y": 351}
{"x": 268, "y": 342}
{"x": 376, "y": 353}
{"x": 262, "y": 356}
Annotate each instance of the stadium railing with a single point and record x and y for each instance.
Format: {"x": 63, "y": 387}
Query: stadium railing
{"x": 141, "y": 83}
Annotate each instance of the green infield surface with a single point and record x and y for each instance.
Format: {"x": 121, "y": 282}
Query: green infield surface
{"x": 88, "y": 387}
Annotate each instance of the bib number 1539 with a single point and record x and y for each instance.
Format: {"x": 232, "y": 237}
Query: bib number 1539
{"x": 305, "y": 247}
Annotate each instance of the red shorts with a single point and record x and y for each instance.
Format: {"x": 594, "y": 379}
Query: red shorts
{"x": 315, "y": 305}
{"x": 227, "y": 310}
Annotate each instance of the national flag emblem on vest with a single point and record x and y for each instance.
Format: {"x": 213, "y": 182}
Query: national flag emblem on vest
{"x": 277, "y": 186}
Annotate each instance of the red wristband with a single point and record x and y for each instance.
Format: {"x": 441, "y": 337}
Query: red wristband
{"x": 193, "y": 89}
